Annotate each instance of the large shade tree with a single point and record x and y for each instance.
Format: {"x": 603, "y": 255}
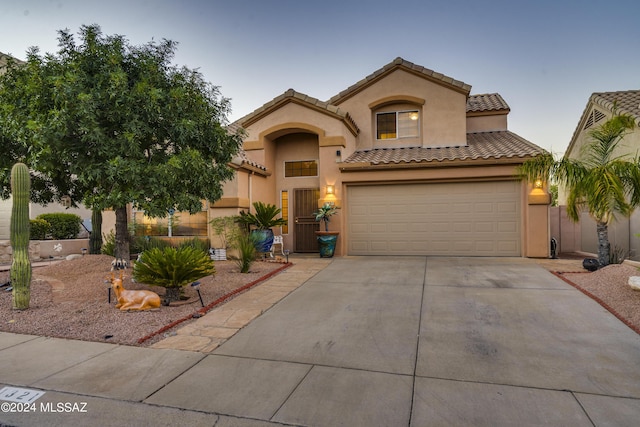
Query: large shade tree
{"x": 112, "y": 125}
{"x": 600, "y": 181}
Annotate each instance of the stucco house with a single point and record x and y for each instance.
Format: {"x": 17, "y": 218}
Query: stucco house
{"x": 622, "y": 232}
{"x": 417, "y": 165}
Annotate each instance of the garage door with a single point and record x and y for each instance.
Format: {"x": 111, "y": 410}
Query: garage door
{"x": 462, "y": 219}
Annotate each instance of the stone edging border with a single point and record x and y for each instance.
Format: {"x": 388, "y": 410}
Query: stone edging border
{"x": 210, "y": 306}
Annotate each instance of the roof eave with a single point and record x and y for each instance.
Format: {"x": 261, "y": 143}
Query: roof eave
{"x": 447, "y": 163}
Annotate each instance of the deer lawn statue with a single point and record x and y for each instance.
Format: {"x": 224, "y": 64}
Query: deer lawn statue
{"x": 133, "y": 300}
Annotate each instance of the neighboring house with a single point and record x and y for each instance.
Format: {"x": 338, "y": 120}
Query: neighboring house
{"x": 622, "y": 233}
{"x": 417, "y": 165}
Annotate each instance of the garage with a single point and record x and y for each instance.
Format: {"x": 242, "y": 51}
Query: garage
{"x": 448, "y": 219}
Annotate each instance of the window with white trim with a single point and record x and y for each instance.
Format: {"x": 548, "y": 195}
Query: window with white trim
{"x": 398, "y": 124}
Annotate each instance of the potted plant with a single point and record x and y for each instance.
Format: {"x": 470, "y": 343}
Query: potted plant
{"x": 326, "y": 239}
{"x": 262, "y": 222}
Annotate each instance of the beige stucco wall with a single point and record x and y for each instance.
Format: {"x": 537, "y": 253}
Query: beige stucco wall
{"x": 487, "y": 123}
{"x": 5, "y": 218}
{"x": 34, "y": 211}
{"x": 443, "y": 111}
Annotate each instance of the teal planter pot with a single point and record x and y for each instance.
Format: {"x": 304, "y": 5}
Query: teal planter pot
{"x": 263, "y": 239}
{"x": 327, "y": 243}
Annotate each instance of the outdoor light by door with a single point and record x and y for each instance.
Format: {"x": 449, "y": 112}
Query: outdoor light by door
{"x": 196, "y": 286}
{"x": 331, "y": 189}
{"x": 538, "y": 183}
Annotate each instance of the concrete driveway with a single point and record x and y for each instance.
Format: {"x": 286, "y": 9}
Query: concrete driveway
{"x": 367, "y": 341}
{"x": 372, "y": 341}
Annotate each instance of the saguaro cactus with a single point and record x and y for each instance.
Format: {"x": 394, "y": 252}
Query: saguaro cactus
{"x": 19, "y": 229}
{"x": 95, "y": 239}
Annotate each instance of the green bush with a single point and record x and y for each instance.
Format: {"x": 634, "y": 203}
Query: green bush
{"x": 139, "y": 244}
{"x": 196, "y": 243}
{"x": 39, "y": 229}
{"x": 109, "y": 244}
{"x": 63, "y": 225}
{"x": 172, "y": 269}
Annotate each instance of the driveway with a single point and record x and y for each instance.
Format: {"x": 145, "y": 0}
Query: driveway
{"x": 398, "y": 341}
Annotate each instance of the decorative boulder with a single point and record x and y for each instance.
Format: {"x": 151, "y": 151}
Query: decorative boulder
{"x": 634, "y": 282}
{"x": 590, "y": 264}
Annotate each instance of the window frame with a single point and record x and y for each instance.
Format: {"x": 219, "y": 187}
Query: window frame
{"x": 315, "y": 161}
{"x": 397, "y": 124}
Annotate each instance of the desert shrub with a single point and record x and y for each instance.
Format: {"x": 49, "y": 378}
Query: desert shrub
{"x": 39, "y": 228}
{"x": 226, "y": 228}
{"x": 172, "y": 268}
{"x": 109, "y": 244}
{"x": 196, "y": 243}
{"x": 245, "y": 244}
{"x": 617, "y": 255}
{"x": 63, "y": 225}
{"x": 139, "y": 244}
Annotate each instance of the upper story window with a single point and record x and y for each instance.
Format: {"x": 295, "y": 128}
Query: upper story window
{"x": 301, "y": 168}
{"x": 398, "y": 124}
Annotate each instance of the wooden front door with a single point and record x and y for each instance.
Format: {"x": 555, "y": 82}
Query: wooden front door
{"x": 305, "y": 201}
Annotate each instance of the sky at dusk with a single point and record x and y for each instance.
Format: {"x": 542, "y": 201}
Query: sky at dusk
{"x": 544, "y": 57}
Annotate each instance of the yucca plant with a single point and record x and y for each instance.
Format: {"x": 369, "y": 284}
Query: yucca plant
{"x": 172, "y": 269}
{"x": 245, "y": 244}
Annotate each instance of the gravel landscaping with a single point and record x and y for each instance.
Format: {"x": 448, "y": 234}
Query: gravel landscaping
{"x": 69, "y": 299}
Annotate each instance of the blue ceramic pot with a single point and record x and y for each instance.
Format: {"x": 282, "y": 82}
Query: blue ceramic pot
{"x": 263, "y": 239}
{"x": 326, "y": 243}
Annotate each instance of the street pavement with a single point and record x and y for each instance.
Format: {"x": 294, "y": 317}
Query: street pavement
{"x": 358, "y": 341}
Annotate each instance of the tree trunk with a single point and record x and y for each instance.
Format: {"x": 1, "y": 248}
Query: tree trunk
{"x": 604, "y": 247}
{"x": 172, "y": 294}
{"x": 122, "y": 234}
{"x": 95, "y": 239}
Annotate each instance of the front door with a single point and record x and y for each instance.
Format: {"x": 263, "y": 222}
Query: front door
{"x": 305, "y": 201}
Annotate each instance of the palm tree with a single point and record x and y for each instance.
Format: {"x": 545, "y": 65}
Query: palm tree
{"x": 603, "y": 183}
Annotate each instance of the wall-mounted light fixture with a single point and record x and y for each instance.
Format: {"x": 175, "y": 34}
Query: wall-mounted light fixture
{"x": 538, "y": 183}
{"x": 331, "y": 189}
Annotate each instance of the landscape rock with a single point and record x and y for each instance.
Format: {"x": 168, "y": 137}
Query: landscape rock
{"x": 634, "y": 282}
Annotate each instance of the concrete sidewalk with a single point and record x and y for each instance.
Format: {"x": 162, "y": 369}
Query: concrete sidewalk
{"x": 366, "y": 341}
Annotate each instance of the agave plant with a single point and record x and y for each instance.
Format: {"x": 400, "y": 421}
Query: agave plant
{"x": 172, "y": 269}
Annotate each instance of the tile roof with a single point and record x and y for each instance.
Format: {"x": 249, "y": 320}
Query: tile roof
{"x": 291, "y": 96}
{"x": 480, "y": 146}
{"x": 486, "y": 102}
{"x": 627, "y": 101}
{"x": 241, "y": 158}
{"x": 408, "y": 66}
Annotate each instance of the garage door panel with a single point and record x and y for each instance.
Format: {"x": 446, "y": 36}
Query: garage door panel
{"x": 467, "y": 219}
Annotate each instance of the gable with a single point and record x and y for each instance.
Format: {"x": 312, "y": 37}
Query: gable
{"x": 599, "y": 108}
{"x": 409, "y": 67}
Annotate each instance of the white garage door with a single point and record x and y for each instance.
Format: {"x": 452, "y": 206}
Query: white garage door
{"x": 462, "y": 219}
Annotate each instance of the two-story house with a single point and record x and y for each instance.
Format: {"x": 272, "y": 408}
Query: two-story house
{"x": 417, "y": 165}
